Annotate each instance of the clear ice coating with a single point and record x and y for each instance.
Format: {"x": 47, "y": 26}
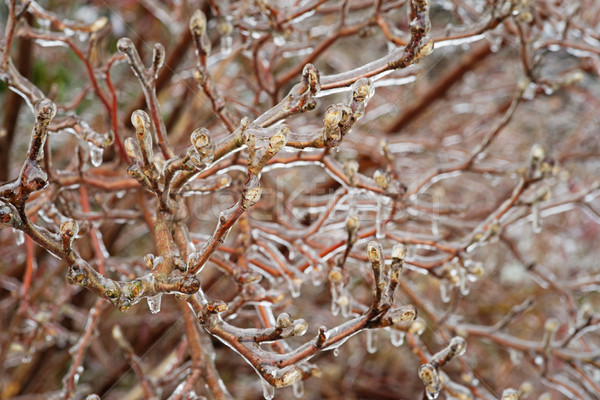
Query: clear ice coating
{"x": 154, "y": 303}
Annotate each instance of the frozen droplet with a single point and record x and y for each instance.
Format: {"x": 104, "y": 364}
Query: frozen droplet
{"x": 371, "y": 341}
{"x": 397, "y": 337}
{"x": 96, "y": 155}
{"x": 78, "y": 373}
{"x": 19, "y": 237}
{"x": 154, "y": 303}
{"x": 268, "y": 389}
{"x": 298, "y": 388}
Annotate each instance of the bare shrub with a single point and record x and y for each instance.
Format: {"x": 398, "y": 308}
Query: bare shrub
{"x": 274, "y": 177}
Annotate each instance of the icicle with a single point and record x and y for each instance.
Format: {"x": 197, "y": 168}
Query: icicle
{"x": 96, "y": 154}
{"x": 371, "y": 341}
{"x": 435, "y": 226}
{"x": 295, "y": 284}
{"x": 154, "y": 303}
{"x": 19, "y": 237}
{"x": 445, "y": 289}
{"x": 537, "y": 219}
{"x": 298, "y": 388}
{"x": 397, "y": 337}
{"x": 380, "y": 220}
{"x": 268, "y": 390}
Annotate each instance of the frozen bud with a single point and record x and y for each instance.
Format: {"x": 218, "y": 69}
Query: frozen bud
{"x": 551, "y": 325}
{"x": 136, "y": 288}
{"x": 300, "y": 327}
{"x": 130, "y": 148}
{"x": 7, "y": 216}
{"x": 124, "y": 45}
{"x": 158, "y": 56}
{"x": 350, "y": 168}
{"x": 336, "y": 275}
{"x": 251, "y": 196}
{"x": 574, "y": 78}
{"x": 510, "y": 394}
{"x": 431, "y": 380}
{"x": 98, "y": 24}
{"x": 399, "y": 251}
{"x": 216, "y": 306}
{"x": 375, "y": 252}
{"x": 289, "y": 376}
{"x": 352, "y": 223}
{"x": 476, "y": 270}
{"x": 417, "y": 327}
{"x": 149, "y": 260}
{"x": 69, "y": 228}
{"x": 284, "y": 320}
{"x": 425, "y": 47}
{"x": 45, "y": 110}
{"x": 526, "y": 389}
{"x": 381, "y": 179}
{"x": 311, "y": 75}
{"x": 198, "y": 23}
{"x": 537, "y": 154}
{"x": 333, "y": 117}
{"x": 279, "y": 139}
{"x": 140, "y": 120}
{"x": 363, "y": 90}
{"x": 406, "y": 313}
{"x": 458, "y": 346}
{"x": 203, "y": 143}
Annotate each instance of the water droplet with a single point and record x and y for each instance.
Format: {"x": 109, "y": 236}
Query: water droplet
{"x": 336, "y": 352}
{"x": 96, "y": 155}
{"x": 154, "y": 303}
{"x": 268, "y": 390}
